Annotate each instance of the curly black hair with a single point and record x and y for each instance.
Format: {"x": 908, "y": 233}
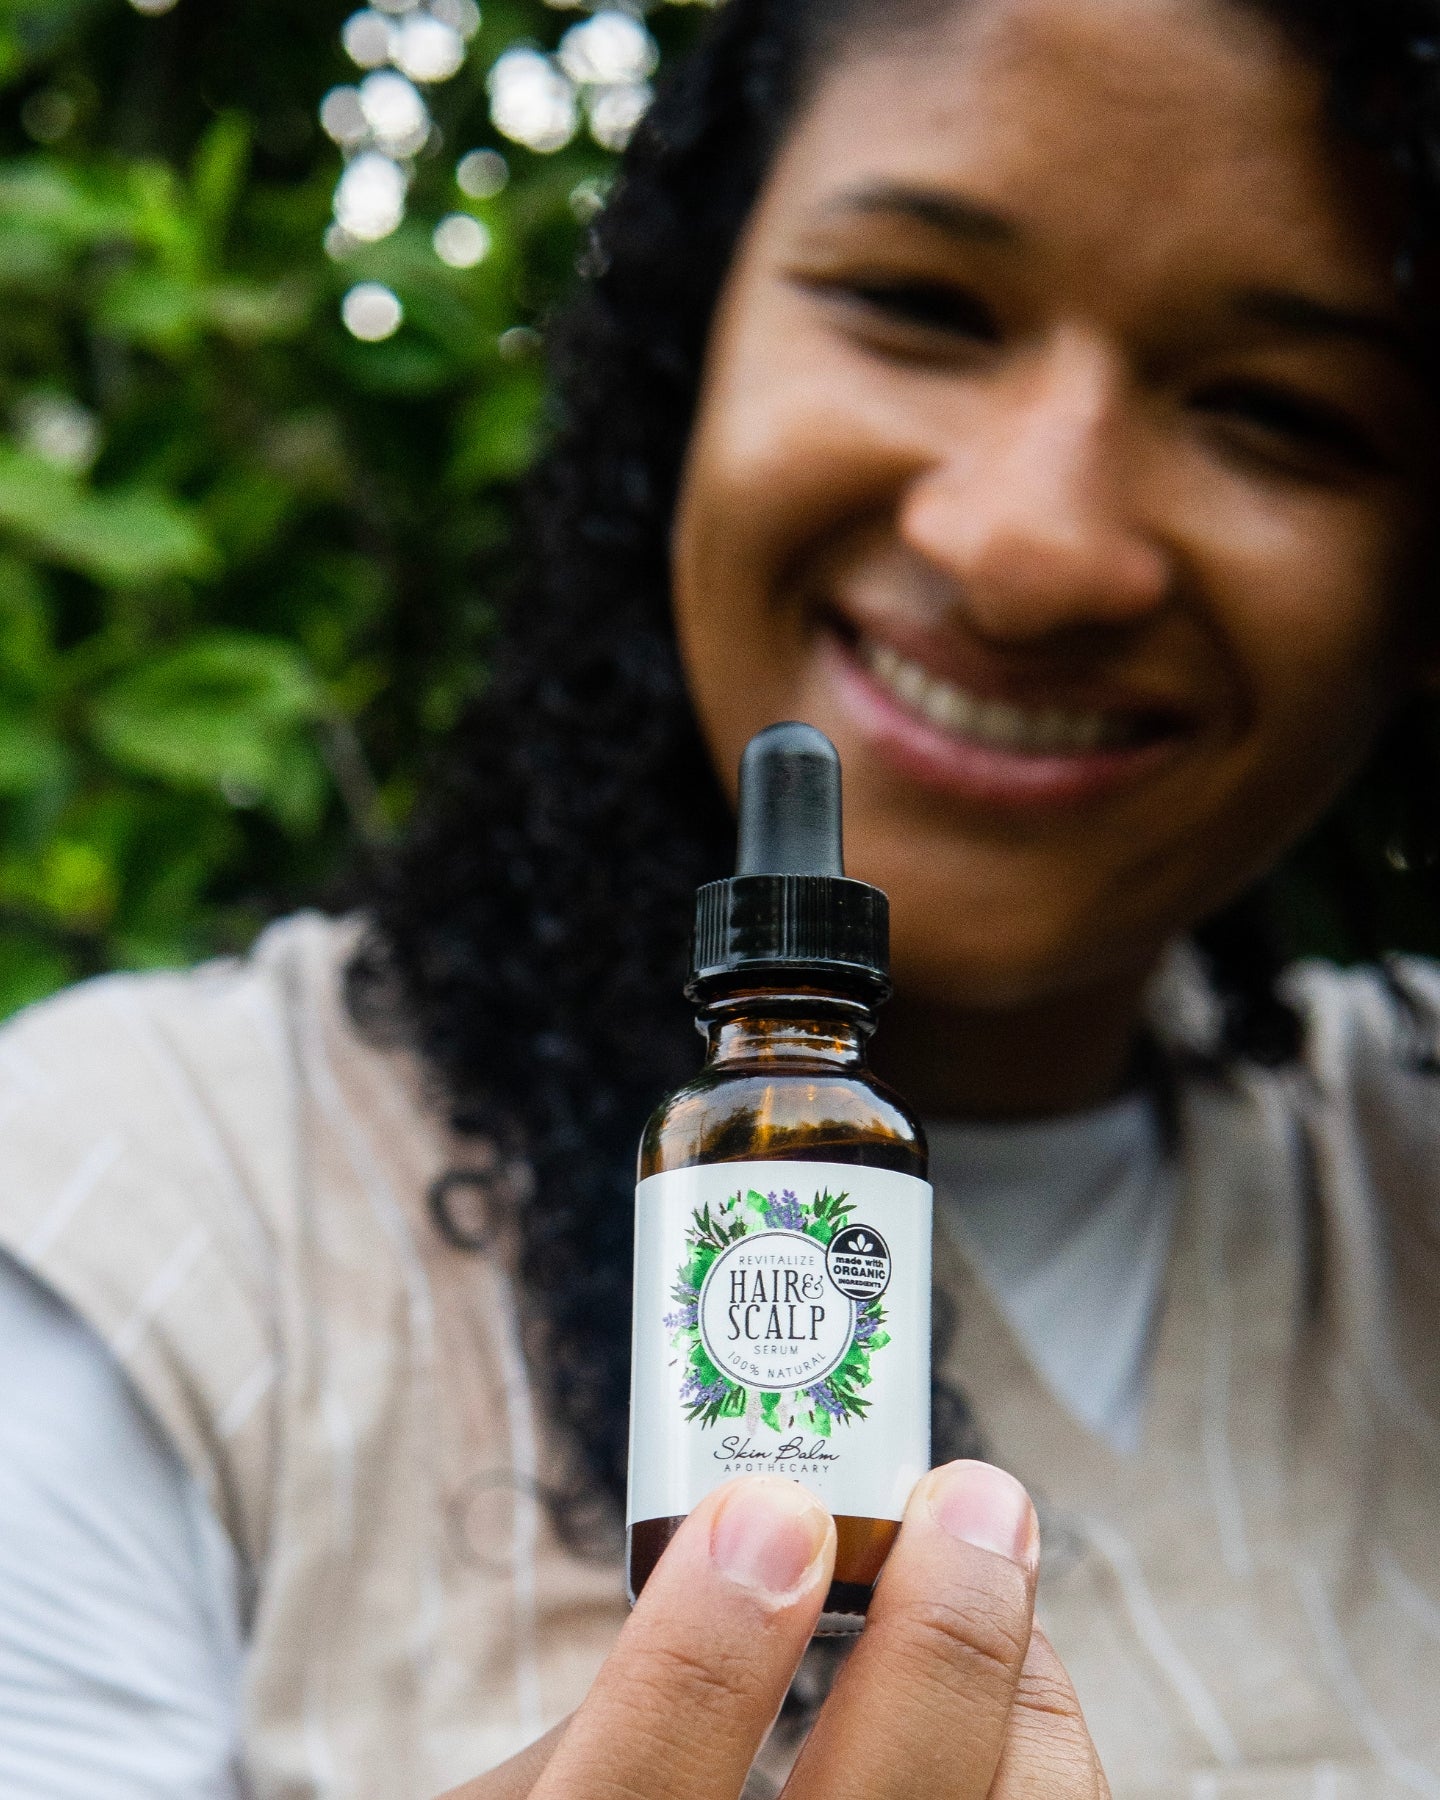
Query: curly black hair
{"x": 531, "y": 939}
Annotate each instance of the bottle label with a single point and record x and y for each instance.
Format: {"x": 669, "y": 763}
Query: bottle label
{"x": 782, "y": 1326}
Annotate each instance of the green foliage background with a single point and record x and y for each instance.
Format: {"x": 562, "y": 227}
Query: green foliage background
{"x": 227, "y": 645}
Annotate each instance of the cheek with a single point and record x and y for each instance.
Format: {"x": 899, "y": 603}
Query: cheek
{"x": 1312, "y": 620}
{"x": 781, "y": 456}
{"x": 778, "y": 464}
{"x": 741, "y": 653}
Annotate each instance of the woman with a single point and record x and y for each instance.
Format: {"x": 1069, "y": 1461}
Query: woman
{"x": 1035, "y": 395}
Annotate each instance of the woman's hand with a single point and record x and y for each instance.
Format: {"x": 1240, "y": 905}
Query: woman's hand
{"x": 950, "y": 1693}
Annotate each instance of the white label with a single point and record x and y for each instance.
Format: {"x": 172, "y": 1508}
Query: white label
{"x": 782, "y": 1326}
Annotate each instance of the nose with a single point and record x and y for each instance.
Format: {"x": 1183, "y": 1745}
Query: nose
{"x": 1030, "y": 506}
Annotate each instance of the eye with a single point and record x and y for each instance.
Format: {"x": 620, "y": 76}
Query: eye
{"x": 932, "y": 308}
{"x": 1282, "y": 426}
{"x": 930, "y": 305}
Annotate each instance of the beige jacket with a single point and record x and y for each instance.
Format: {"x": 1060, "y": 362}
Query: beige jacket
{"x": 230, "y": 1185}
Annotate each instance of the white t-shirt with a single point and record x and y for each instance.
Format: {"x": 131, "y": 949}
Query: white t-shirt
{"x": 120, "y": 1602}
{"x": 120, "y": 1596}
{"x": 1068, "y": 1224}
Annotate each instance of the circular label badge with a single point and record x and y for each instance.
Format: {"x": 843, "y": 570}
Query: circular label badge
{"x": 858, "y": 1262}
{"x": 769, "y": 1315}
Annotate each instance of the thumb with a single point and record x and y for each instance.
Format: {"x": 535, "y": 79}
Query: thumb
{"x": 683, "y": 1702}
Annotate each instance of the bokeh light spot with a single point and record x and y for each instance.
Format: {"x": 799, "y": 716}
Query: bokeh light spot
{"x": 587, "y": 199}
{"x": 395, "y": 112}
{"x": 462, "y": 15}
{"x": 533, "y": 101}
{"x": 370, "y": 197}
{"x": 342, "y": 118}
{"x": 59, "y": 431}
{"x": 427, "y": 49}
{"x": 461, "y": 241}
{"x": 609, "y": 49}
{"x": 48, "y": 115}
{"x": 480, "y": 174}
{"x": 614, "y": 112}
{"x": 367, "y": 38}
{"x": 372, "y": 312}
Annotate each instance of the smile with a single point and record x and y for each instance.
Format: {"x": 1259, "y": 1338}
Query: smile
{"x": 996, "y": 724}
{"x": 1000, "y": 756}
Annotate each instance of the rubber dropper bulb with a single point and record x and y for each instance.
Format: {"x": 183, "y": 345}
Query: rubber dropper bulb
{"x": 790, "y": 809}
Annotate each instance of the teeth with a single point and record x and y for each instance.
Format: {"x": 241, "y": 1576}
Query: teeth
{"x": 991, "y": 722}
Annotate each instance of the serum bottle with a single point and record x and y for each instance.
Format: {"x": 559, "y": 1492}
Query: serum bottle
{"x": 782, "y": 1222}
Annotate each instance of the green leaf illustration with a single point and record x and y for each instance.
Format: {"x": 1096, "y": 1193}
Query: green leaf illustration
{"x": 708, "y": 1235}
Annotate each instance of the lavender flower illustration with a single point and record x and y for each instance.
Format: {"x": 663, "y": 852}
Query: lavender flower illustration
{"x": 695, "y": 1392}
{"x": 786, "y": 1213}
{"x": 824, "y": 1397}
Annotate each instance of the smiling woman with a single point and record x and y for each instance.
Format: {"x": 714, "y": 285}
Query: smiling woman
{"x": 1028, "y": 459}
{"x": 1036, "y": 396}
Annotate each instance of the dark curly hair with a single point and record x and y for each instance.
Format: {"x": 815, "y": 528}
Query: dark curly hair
{"x": 531, "y": 939}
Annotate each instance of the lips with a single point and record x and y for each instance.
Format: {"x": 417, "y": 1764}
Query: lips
{"x": 1028, "y": 731}
{"x": 997, "y": 753}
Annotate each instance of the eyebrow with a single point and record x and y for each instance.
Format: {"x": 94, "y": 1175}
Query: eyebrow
{"x": 966, "y": 221}
{"x": 1306, "y": 316}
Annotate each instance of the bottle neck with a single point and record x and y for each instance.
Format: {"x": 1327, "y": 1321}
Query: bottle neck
{"x": 786, "y": 1026}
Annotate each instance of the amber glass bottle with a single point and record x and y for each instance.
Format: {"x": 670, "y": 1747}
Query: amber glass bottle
{"x": 783, "y": 1217}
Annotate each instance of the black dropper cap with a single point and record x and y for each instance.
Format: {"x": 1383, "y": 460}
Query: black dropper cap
{"x": 789, "y": 909}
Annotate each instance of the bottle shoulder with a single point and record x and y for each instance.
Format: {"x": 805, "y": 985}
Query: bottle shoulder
{"x": 752, "y": 1115}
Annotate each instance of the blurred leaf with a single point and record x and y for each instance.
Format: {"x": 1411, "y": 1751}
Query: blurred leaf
{"x": 25, "y": 644}
{"x": 230, "y": 713}
{"x": 218, "y": 177}
{"x": 166, "y": 312}
{"x": 76, "y": 884}
{"x": 151, "y": 307}
{"x": 252, "y": 312}
{"x": 248, "y": 508}
{"x": 71, "y": 884}
{"x": 29, "y": 257}
{"x": 116, "y": 537}
{"x": 499, "y": 430}
{"x": 30, "y": 29}
{"x": 74, "y": 207}
{"x": 29, "y": 969}
{"x": 31, "y": 756}
{"x": 406, "y": 368}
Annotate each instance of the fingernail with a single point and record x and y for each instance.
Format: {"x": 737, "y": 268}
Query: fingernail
{"x": 769, "y": 1534}
{"x": 986, "y": 1507}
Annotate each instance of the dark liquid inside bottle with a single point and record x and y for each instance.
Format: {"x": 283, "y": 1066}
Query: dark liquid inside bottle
{"x": 786, "y": 1080}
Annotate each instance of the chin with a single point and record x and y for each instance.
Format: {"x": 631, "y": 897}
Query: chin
{"x": 1001, "y": 971}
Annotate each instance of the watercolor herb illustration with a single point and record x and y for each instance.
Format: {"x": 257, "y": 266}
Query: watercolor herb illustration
{"x": 707, "y": 1393}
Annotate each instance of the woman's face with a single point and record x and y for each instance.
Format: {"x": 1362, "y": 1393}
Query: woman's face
{"x": 1062, "y": 455}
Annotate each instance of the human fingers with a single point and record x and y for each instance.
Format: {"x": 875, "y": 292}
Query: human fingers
{"x": 921, "y": 1710}
{"x": 1048, "y": 1753}
{"x": 683, "y": 1702}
